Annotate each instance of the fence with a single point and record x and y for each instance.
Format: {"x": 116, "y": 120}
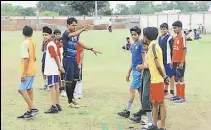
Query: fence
{"x": 189, "y": 20}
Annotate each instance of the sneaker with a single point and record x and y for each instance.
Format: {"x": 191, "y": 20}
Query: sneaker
{"x": 52, "y": 110}
{"x": 73, "y": 104}
{"x": 34, "y": 112}
{"x": 26, "y": 115}
{"x": 63, "y": 93}
{"x": 146, "y": 126}
{"x": 48, "y": 88}
{"x": 140, "y": 113}
{"x": 162, "y": 129}
{"x": 136, "y": 119}
{"x": 153, "y": 127}
{"x": 58, "y": 107}
{"x": 44, "y": 87}
{"x": 125, "y": 113}
{"x": 181, "y": 100}
{"x": 174, "y": 98}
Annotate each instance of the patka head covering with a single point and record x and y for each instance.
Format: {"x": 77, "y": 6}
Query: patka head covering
{"x": 46, "y": 29}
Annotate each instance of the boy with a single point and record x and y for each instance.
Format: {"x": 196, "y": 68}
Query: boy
{"x": 158, "y": 77}
{"x": 127, "y": 44}
{"x": 58, "y": 41}
{"x": 79, "y": 58}
{"x": 137, "y": 59}
{"x": 52, "y": 68}
{"x": 178, "y": 62}
{"x": 70, "y": 38}
{"x": 196, "y": 35}
{"x": 110, "y": 26}
{"x": 27, "y": 71}
{"x": 166, "y": 44}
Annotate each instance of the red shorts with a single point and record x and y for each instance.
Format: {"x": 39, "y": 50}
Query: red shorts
{"x": 157, "y": 92}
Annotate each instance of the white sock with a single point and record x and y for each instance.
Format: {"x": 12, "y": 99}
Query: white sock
{"x": 149, "y": 115}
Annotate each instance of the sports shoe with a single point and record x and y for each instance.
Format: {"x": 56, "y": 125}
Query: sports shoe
{"x": 140, "y": 113}
{"x": 153, "y": 127}
{"x": 58, "y": 107}
{"x": 125, "y": 113}
{"x": 63, "y": 93}
{"x": 52, "y": 110}
{"x": 34, "y": 112}
{"x": 43, "y": 87}
{"x": 48, "y": 88}
{"x": 146, "y": 125}
{"x": 162, "y": 129}
{"x": 73, "y": 104}
{"x": 181, "y": 100}
{"x": 26, "y": 115}
{"x": 136, "y": 119}
{"x": 174, "y": 98}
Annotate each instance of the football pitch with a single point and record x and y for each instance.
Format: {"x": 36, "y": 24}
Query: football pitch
{"x": 104, "y": 87}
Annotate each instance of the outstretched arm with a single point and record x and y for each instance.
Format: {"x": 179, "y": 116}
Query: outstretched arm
{"x": 88, "y": 48}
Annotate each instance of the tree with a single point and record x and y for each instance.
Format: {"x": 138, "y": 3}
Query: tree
{"x": 86, "y": 7}
{"x": 30, "y": 11}
{"x": 122, "y": 9}
{"x": 48, "y": 13}
{"x": 54, "y": 6}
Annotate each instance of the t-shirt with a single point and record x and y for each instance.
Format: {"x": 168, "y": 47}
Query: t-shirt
{"x": 166, "y": 44}
{"x": 79, "y": 49}
{"x": 51, "y": 67}
{"x": 155, "y": 75}
{"x": 137, "y": 50}
{"x": 69, "y": 45}
{"x": 178, "y": 48}
{"x": 28, "y": 50}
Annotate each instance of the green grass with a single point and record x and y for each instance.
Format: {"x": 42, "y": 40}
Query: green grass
{"x": 104, "y": 87}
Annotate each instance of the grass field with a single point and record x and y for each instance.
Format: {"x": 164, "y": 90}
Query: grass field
{"x": 104, "y": 87}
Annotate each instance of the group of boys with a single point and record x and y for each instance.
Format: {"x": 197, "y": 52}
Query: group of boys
{"x": 54, "y": 68}
{"x": 155, "y": 66}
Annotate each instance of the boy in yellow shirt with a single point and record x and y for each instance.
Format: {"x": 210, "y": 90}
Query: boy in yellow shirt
{"x": 27, "y": 71}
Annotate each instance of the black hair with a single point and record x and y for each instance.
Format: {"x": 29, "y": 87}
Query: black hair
{"x": 194, "y": 29}
{"x": 164, "y": 25}
{"x": 127, "y": 38}
{"x": 177, "y": 24}
{"x": 57, "y": 31}
{"x": 136, "y": 29}
{"x": 71, "y": 20}
{"x": 151, "y": 33}
{"x": 27, "y": 31}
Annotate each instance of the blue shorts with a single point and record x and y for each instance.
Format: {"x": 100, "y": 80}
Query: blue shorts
{"x": 168, "y": 70}
{"x": 136, "y": 82}
{"x": 27, "y": 84}
{"x": 71, "y": 69}
{"x": 178, "y": 73}
{"x": 52, "y": 80}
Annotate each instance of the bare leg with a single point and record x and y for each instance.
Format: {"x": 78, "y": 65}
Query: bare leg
{"x": 172, "y": 83}
{"x": 57, "y": 94}
{"x": 27, "y": 99}
{"x": 155, "y": 114}
{"x": 163, "y": 115}
{"x": 53, "y": 95}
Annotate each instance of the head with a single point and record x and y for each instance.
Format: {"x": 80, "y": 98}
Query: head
{"x": 71, "y": 24}
{"x": 27, "y": 31}
{"x": 150, "y": 34}
{"x": 145, "y": 46}
{"x": 127, "y": 38}
{"x": 194, "y": 30}
{"x": 177, "y": 27}
{"x": 57, "y": 34}
{"x": 135, "y": 33}
{"x": 46, "y": 32}
{"x": 164, "y": 28}
{"x": 110, "y": 19}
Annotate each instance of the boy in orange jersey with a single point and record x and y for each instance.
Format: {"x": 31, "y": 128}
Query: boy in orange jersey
{"x": 28, "y": 70}
{"x": 158, "y": 76}
{"x": 178, "y": 62}
{"x": 58, "y": 41}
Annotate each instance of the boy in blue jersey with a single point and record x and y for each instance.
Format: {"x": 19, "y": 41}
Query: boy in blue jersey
{"x": 70, "y": 38}
{"x": 166, "y": 44}
{"x": 138, "y": 55}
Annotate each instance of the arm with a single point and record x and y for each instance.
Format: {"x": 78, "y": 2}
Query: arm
{"x": 157, "y": 64}
{"x": 184, "y": 50}
{"x": 88, "y": 48}
{"x": 25, "y": 57}
{"x": 54, "y": 55}
{"x": 171, "y": 42}
{"x": 76, "y": 33}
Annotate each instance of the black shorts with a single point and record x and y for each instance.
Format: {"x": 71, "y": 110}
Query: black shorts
{"x": 71, "y": 69}
{"x": 178, "y": 73}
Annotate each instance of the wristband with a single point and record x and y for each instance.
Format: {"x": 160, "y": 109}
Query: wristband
{"x": 91, "y": 49}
